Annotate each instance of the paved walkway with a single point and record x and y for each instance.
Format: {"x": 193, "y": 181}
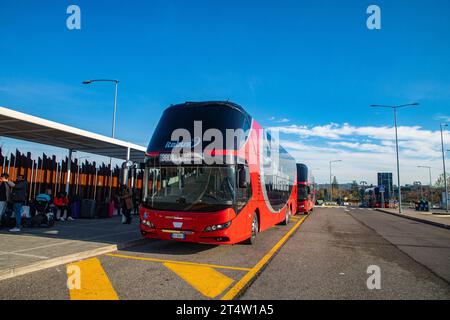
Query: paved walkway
{"x": 439, "y": 219}
{"x": 38, "y": 248}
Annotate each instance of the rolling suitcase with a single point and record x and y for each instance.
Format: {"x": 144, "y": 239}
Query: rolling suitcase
{"x": 75, "y": 208}
{"x": 103, "y": 210}
{"x": 111, "y": 209}
{"x": 88, "y": 209}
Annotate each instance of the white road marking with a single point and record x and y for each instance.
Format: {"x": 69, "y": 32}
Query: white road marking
{"x": 23, "y": 255}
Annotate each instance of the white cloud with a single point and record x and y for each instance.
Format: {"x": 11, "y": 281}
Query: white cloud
{"x": 442, "y": 117}
{"x": 282, "y": 120}
{"x": 365, "y": 150}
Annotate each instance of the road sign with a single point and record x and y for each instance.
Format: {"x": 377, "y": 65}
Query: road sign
{"x": 381, "y": 188}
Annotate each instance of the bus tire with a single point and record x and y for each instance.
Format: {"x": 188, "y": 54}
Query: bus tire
{"x": 255, "y": 230}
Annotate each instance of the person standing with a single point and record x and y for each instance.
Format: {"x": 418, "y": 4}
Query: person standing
{"x": 5, "y": 192}
{"x": 18, "y": 198}
{"x": 126, "y": 203}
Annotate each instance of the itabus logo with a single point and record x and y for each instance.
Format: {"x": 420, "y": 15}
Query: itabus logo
{"x": 178, "y": 225}
{"x": 195, "y": 142}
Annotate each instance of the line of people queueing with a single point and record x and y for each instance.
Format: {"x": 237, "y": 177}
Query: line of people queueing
{"x": 13, "y": 195}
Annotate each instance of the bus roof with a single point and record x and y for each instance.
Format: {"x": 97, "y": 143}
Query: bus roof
{"x": 228, "y": 104}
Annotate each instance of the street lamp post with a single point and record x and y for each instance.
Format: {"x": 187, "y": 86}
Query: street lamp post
{"x": 431, "y": 183}
{"x": 331, "y": 186}
{"x": 443, "y": 165}
{"x": 418, "y": 185}
{"x": 363, "y": 189}
{"x": 396, "y": 146}
{"x": 113, "y": 134}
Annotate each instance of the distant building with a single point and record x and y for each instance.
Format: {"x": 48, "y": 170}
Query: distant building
{"x": 385, "y": 179}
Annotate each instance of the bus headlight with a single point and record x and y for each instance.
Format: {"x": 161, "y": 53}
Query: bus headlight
{"x": 148, "y": 223}
{"x": 218, "y": 227}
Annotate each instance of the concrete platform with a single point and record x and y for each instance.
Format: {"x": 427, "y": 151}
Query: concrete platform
{"x": 38, "y": 248}
{"x": 434, "y": 218}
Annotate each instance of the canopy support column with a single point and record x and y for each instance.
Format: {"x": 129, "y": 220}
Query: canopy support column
{"x": 69, "y": 169}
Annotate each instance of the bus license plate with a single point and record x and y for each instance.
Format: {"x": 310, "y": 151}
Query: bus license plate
{"x": 179, "y": 236}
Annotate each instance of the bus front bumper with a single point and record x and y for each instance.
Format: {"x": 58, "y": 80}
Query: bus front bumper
{"x": 215, "y": 237}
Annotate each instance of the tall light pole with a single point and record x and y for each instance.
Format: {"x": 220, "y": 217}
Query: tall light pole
{"x": 418, "y": 185}
{"x": 362, "y": 192}
{"x": 331, "y": 186}
{"x": 431, "y": 183}
{"x": 113, "y": 134}
{"x": 443, "y": 164}
{"x": 396, "y": 146}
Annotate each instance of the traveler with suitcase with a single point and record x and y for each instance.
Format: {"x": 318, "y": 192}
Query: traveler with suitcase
{"x": 126, "y": 203}
{"x": 5, "y": 192}
{"x": 18, "y": 197}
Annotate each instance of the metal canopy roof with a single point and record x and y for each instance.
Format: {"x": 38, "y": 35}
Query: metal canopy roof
{"x": 18, "y": 125}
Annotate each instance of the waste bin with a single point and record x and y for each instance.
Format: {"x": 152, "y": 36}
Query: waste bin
{"x": 424, "y": 205}
{"x": 88, "y": 207}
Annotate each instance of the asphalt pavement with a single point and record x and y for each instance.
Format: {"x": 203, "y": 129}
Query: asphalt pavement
{"x": 329, "y": 258}
{"x": 325, "y": 257}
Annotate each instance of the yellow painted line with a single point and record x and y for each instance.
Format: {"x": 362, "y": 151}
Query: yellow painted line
{"x": 177, "y": 262}
{"x": 86, "y": 280}
{"x": 234, "y": 291}
{"x": 206, "y": 280}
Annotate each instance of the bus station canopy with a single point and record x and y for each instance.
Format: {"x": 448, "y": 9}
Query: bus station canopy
{"x": 18, "y": 125}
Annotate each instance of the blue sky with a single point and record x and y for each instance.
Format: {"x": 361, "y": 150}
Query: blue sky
{"x": 310, "y": 68}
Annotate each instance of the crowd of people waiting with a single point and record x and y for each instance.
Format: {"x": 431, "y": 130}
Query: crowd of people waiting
{"x": 13, "y": 197}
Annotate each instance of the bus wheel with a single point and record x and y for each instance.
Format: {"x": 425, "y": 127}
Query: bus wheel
{"x": 287, "y": 217}
{"x": 255, "y": 229}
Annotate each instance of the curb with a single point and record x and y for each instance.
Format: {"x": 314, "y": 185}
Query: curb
{"x": 45, "y": 264}
{"x": 433, "y": 223}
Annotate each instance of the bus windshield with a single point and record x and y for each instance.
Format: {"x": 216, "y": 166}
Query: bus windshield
{"x": 193, "y": 188}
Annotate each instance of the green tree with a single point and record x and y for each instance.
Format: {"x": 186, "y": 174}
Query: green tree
{"x": 334, "y": 187}
{"x": 440, "y": 181}
{"x": 355, "y": 193}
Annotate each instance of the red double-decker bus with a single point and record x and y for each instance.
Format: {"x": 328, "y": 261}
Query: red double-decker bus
{"x": 306, "y": 194}
{"x": 221, "y": 194}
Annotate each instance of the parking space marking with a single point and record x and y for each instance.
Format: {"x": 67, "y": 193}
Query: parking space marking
{"x": 241, "y": 284}
{"x": 123, "y": 256}
{"x": 206, "y": 280}
{"x": 22, "y": 255}
{"x": 94, "y": 283}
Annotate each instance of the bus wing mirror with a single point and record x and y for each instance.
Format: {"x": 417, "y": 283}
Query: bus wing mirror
{"x": 242, "y": 178}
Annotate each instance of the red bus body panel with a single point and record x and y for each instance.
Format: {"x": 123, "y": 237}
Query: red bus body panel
{"x": 305, "y": 206}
